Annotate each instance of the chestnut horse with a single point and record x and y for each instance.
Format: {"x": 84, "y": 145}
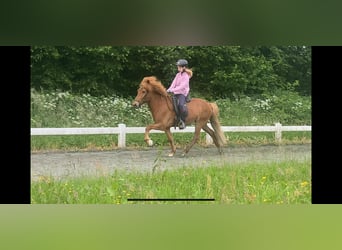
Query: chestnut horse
{"x": 153, "y": 93}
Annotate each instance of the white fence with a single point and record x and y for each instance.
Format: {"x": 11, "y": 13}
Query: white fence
{"x": 122, "y": 130}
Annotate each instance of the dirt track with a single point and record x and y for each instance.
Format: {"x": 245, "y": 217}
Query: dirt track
{"x": 74, "y": 164}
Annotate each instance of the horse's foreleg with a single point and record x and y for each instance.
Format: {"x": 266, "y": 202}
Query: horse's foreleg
{"x": 172, "y": 144}
{"x": 147, "y": 138}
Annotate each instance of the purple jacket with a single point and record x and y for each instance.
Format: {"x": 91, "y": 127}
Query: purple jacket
{"x": 180, "y": 84}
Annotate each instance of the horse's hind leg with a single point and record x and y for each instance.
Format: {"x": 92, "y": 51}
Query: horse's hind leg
{"x": 171, "y": 141}
{"x": 194, "y": 140}
{"x": 211, "y": 132}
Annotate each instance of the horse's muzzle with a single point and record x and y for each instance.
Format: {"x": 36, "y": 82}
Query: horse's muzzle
{"x": 136, "y": 104}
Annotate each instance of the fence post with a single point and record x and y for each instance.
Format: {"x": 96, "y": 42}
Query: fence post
{"x": 122, "y": 136}
{"x": 278, "y": 132}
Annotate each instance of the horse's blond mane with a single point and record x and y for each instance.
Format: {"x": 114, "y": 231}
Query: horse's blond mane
{"x": 152, "y": 83}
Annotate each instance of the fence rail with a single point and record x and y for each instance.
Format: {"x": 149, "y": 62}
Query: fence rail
{"x": 122, "y": 130}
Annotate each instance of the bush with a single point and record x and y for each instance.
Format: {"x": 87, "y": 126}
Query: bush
{"x": 62, "y": 109}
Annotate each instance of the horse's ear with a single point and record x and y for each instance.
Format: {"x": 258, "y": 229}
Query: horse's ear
{"x": 146, "y": 80}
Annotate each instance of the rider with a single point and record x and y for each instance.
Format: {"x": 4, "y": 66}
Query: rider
{"x": 180, "y": 88}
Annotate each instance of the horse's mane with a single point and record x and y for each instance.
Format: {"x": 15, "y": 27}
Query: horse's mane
{"x": 151, "y": 83}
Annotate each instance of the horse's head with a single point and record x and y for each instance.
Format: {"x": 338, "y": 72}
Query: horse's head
{"x": 149, "y": 85}
{"x": 140, "y": 99}
{"x": 142, "y": 93}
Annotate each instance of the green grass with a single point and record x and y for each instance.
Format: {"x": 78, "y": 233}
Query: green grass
{"x": 286, "y": 182}
{"x": 109, "y": 142}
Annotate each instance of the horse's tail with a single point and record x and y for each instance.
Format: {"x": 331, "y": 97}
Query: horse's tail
{"x": 215, "y": 123}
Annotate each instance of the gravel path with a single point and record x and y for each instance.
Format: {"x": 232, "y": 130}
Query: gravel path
{"x": 74, "y": 164}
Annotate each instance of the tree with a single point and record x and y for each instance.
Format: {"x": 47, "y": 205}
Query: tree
{"x": 219, "y": 71}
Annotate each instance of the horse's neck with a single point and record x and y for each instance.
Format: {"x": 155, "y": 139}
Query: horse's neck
{"x": 159, "y": 102}
{"x": 155, "y": 102}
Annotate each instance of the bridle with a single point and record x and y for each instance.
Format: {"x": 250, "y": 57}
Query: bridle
{"x": 140, "y": 102}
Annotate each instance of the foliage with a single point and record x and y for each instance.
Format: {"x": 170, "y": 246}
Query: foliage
{"x": 77, "y": 69}
{"x": 219, "y": 71}
{"x": 286, "y": 107}
{"x": 64, "y": 109}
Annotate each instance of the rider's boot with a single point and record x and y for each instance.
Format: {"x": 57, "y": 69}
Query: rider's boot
{"x": 182, "y": 118}
{"x": 181, "y": 124}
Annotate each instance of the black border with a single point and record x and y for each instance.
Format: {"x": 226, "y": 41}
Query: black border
{"x": 326, "y": 104}
{"x": 15, "y": 78}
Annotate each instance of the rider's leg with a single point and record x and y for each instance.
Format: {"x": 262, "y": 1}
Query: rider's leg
{"x": 182, "y": 110}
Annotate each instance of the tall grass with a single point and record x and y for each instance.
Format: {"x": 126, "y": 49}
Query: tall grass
{"x": 248, "y": 183}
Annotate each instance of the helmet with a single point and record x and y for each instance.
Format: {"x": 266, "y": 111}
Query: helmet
{"x": 182, "y": 62}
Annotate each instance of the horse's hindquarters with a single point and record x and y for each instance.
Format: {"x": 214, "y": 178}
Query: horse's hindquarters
{"x": 198, "y": 110}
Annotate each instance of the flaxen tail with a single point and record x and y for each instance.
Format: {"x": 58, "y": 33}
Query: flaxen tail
{"x": 215, "y": 123}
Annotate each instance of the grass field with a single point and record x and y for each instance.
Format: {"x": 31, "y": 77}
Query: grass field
{"x": 109, "y": 142}
{"x": 249, "y": 183}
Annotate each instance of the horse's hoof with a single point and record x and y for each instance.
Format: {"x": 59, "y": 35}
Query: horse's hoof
{"x": 171, "y": 154}
{"x": 184, "y": 154}
{"x": 150, "y": 143}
